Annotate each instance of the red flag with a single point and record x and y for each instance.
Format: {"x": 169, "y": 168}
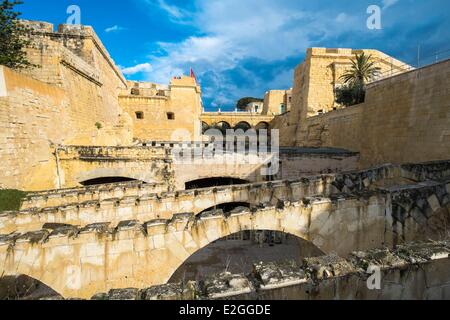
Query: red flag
{"x": 193, "y": 75}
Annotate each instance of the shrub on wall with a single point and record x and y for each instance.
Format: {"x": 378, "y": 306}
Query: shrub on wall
{"x": 363, "y": 69}
{"x": 349, "y": 95}
{"x": 10, "y": 200}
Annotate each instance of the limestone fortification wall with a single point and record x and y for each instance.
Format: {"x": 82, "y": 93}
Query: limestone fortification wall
{"x": 404, "y": 119}
{"x": 31, "y": 118}
{"x": 71, "y": 98}
{"x": 287, "y": 129}
{"x": 273, "y": 101}
{"x": 74, "y": 58}
{"x": 317, "y": 78}
{"x": 161, "y": 112}
{"x": 295, "y": 163}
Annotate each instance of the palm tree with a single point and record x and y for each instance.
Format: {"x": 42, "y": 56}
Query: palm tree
{"x": 363, "y": 70}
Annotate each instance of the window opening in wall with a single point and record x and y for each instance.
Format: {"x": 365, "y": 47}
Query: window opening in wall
{"x": 139, "y": 115}
{"x": 170, "y": 116}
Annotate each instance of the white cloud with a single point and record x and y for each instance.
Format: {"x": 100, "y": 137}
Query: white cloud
{"x": 235, "y": 31}
{"x": 342, "y": 17}
{"x": 114, "y": 28}
{"x": 388, "y": 3}
{"x": 143, "y": 67}
{"x": 174, "y": 11}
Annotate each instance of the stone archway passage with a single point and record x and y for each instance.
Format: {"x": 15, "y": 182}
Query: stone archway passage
{"x": 243, "y": 125}
{"x": 205, "y": 127}
{"x": 106, "y": 180}
{"x": 227, "y": 207}
{"x": 239, "y": 252}
{"x": 23, "y": 287}
{"x": 262, "y": 126}
{"x": 214, "y": 182}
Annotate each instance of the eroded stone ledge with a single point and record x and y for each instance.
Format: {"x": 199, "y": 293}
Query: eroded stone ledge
{"x": 140, "y": 203}
{"x": 317, "y": 278}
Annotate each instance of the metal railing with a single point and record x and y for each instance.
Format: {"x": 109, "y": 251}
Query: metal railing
{"x": 422, "y": 61}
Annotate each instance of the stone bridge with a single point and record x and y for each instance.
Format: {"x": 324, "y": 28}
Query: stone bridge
{"x": 81, "y": 260}
{"x": 82, "y": 165}
{"x": 232, "y": 120}
{"x": 143, "y": 202}
{"x": 138, "y": 201}
{"x": 79, "y": 165}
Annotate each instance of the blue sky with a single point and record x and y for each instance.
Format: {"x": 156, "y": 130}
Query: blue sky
{"x": 245, "y": 47}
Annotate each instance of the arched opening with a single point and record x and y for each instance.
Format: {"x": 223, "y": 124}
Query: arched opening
{"x": 238, "y": 252}
{"x": 23, "y": 287}
{"x": 262, "y": 126}
{"x": 213, "y": 182}
{"x": 227, "y": 207}
{"x": 205, "y": 127}
{"x": 106, "y": 180}
{"x": 245, "y": 126}
{"x": 222, "y": 126}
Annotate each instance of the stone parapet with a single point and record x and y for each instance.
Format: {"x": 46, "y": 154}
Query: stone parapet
{"x": 113, "y": 153}
{"x": 137, "y": 201}
{"x": 55, "y": 198}
{"x": 404, "y": 274}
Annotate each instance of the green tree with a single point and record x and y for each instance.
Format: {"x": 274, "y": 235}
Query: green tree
{"x": 362, "y": 70}
{"x": 13, "y": 37}
{"x": 242, "y": 103}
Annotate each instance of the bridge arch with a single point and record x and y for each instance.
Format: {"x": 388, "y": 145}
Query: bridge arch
{"x": 222, "y": 126}
{"x": 234, "y": 225}
{"x": 237, "y": 254}
{"x": 226, "y": 207}
{"x": 213, "y": 182}
{"x": 114, "y": 175}
{"x": 262, "y": 126}
{"x": 106, "y": 180}
{"x": 205, "y": 127}
{"x": 243, "y": 125}
{"x": 24, "y": 287}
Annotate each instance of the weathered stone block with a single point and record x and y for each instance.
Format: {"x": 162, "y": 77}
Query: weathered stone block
{"x": 124, "y": 294}
{"x": 419, "y": 216}
{"x": 433, "y": 201}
